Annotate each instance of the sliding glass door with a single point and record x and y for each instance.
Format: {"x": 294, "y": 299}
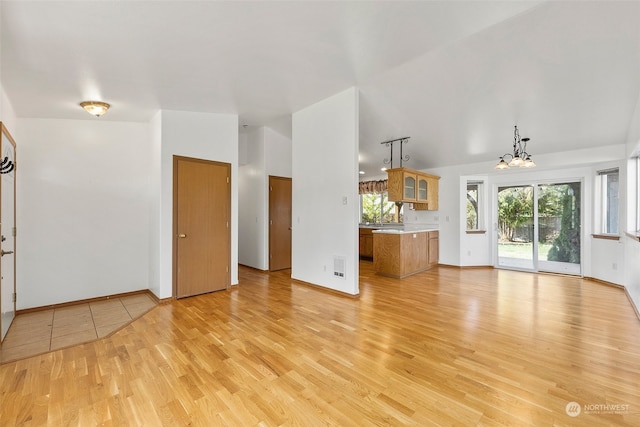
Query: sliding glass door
{"x": 539, "y": 227}
{"x": 559, "y": 227}
{"x": 516, "y": 227}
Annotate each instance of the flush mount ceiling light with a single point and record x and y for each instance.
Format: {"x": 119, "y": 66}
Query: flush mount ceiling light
{"x": 95, "y": 108}
{"x": 520, "y": 157}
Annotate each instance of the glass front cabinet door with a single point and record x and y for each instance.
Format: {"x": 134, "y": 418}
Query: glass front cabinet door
{"x": 409, "y": 186}
{"x": 422, "y": 189}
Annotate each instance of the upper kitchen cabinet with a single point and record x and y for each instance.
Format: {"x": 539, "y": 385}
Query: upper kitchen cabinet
{"x": 408, "y": 185}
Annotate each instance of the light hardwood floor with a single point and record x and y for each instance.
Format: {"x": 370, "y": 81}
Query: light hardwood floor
{"x": 443, "y": 347}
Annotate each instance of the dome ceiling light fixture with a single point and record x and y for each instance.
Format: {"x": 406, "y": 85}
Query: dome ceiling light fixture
{"x": 520, "y": 157}
{"x": 95, "y": 108}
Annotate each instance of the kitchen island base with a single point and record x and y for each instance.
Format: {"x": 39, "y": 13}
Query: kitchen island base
{"x": 403, "y": 253}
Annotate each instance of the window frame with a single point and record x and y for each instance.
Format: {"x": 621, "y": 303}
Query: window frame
{"x": 605, "y": 200}
{"x": 480, "y": 206}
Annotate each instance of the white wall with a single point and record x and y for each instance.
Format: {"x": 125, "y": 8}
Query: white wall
{"x": 204, "y": 136}
{"x": 632, "y": 246}
{"x": 155, "y": 191}
{"x": 252, "y": 183}
{"x": 82, "y": 209}
{"x": 278, "y": 153}
{"x": 7, "y": 115}
{"x": 325, "y": 174}
{"x": 265, "y": 152}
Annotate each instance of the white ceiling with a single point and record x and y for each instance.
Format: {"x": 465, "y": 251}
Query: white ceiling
{"x": 454, "y": 76}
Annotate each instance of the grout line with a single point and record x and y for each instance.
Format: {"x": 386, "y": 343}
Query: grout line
{"x": 126, "y": 309}
{"x": 95, "y": 329}
{"x": 53, "y": 318}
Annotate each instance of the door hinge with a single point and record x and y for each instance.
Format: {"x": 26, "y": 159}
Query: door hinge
{"x": 14, "y": 231}
{"x": 270, "y": 188}
{"x": 227, "y": 180}
{"x": 14, "y": 297}
{"x": 227, "y": 268}
{"x": 227, "y": 224}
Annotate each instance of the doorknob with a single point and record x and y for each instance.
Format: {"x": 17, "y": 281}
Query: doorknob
{"x": 182, "y": 235}
{"x": 3, "y": 253}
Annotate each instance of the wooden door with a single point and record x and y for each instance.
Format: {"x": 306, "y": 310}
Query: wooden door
{"x": 279, "y": 223}
{"x": 7, "y": 230}
{"x": 201, "y": 224}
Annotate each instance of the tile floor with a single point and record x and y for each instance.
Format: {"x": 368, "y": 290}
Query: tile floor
{"x": 42, "y": 331}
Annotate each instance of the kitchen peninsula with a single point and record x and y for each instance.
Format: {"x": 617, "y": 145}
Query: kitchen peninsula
{"x": 400, "y": 253}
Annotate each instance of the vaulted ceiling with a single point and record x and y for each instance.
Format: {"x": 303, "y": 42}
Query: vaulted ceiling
{"x": 454, "y": 76}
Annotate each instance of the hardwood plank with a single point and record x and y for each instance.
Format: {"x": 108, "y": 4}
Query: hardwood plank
{"x": 447, "y": 346}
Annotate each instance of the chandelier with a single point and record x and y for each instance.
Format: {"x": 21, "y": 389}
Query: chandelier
{"x": 520, "y": 157}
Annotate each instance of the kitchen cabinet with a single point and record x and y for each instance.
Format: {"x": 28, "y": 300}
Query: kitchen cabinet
{"x": 408, "y": 185}
{"x": 366, "y": 243}
{"x": 403, "y": 253}
{"x": 434, "y": 248}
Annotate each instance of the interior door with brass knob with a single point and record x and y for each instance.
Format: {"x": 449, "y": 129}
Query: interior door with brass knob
{"x": 280, "y": 232}
{"x": 202, "y": 210}
{"x": 7, "y": 230}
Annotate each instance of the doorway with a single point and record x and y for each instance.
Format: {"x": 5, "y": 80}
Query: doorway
{"x": 201, "y": 226}
{"x": 539, "y": 227}
{"x": 7, "y": 230}
{"x": 279, "y": 223}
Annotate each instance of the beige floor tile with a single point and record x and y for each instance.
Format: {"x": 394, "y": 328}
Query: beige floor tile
{"x": 22, "y": 351}
{"x": 41, "y": 331}
{"x": 70, "y": 316}
{"x": 80, "y": 326}
{"x": 137, "y": 310}
{"x": 137, "y": 299}
{"x": 37, "y": 317}
{"x": 72, "y": 339}
{"x": 72, "y": 310}
{"x": 103, "y": 331}
{"x": 65, "y": 323}
{"x": 109, "y": 314}
{"x": 26, "y": 334}
{"x": 105, "y": 304}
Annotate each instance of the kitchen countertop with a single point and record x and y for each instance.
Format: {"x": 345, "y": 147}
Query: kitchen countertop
{"x": 399, "y": 231}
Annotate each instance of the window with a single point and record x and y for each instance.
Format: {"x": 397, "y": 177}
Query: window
{"x": 475, "y": 205}
{"x": 609, "y": 188}
{"x": 376, "y": 208}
